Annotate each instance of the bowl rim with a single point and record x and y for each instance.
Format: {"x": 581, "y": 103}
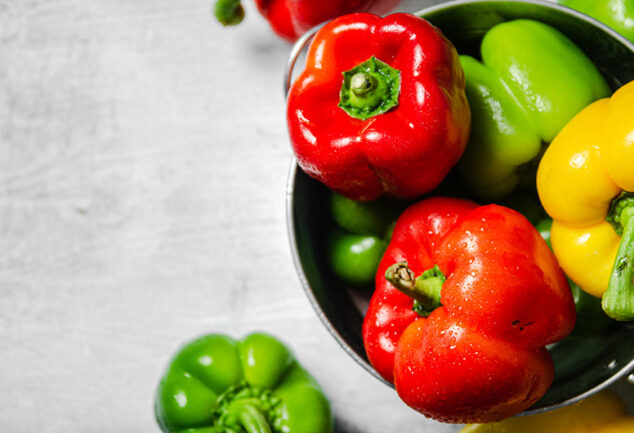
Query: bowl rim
{"x": 292, "y": 238}
{"x": 297, "y": 48}
{"x": 544, "y": 3}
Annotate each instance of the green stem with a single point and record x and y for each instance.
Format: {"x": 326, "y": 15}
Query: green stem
{"x": 250, "y": 416}
{"x": 369, "y": 89}
{"x": 425, "y": 290}
{"x": 618, "y": 299}
{"x": 362, "y": 83}
{"x": 229, "y": 12}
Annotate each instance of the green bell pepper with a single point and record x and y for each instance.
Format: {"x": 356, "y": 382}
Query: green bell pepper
{"x": 618, "y": 14}
{"x": 532, "y": 80}
{"x": 355, "y": 258}
{"x": 357, "y": 243}
{"x": 363, "y": 217}
{"x": 216, "y": 384}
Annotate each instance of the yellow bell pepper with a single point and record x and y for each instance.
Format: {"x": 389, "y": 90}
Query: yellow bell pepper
{"x": 586, "y": 184}
{"x": 602, "y": 413}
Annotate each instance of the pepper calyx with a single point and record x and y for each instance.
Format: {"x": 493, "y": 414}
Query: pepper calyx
{"x": 369, "y": 89}
{"x": 425, "y": 289}
{"x": 249, "y": 407}
{"x": 615, "y": 211}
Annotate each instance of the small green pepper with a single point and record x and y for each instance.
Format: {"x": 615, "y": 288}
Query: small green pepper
{"x": 618, "y": 14}
{"x": 355, "y": 258}
{"x": 532, "y": 80}
{"x": 216, "y": 384}
{"x": 356, "y": 244}
{"x": 363, "y": 218}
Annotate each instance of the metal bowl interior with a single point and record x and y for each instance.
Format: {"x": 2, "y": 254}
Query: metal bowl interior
{"x": 583, "y": 365}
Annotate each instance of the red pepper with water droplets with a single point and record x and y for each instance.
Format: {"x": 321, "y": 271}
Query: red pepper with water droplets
{"x": 380, "y": 107}
{"x": 467, "y": 297}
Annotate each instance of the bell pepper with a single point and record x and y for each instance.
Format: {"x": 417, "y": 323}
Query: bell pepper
{"x": 590, "y": 316}
{"x": 363, "y": 218}
{"x": 466, "y": 298}
{"x": 532, "y": 80}
{"x": 292, "y": 18}
{"x": 618, "y": 14}
{"x": 254, "y": 385}
{"x": 379, "y": 108}
{"x": 601, "y": 413}
{"x": 354, "y": 258}
{"x": 357, "y": 243}
{"x": 585, "y": 182}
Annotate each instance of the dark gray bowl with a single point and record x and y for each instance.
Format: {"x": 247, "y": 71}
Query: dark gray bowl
{"x": 584, "y": 365}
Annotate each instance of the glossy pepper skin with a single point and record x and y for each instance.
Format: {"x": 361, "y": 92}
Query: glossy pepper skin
{"x": 354, "y": 258}
{"x": 618, "y": 14}
{"x": 359, "y": 238}
{"x": 590, "y": 316}
{"x": 216, "y": 384}
{"x": 585, "y": 181}
{"x": 292, "y": 18}
{"x": 531, "y": 81}
{"x": 601, "y": 413}
{"x": 379, "y": 108}
{"x": 479, "y": 356}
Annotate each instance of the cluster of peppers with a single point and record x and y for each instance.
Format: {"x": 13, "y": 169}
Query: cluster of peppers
{"x": 467, "y": 296}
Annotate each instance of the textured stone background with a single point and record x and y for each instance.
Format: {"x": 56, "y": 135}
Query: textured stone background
{"x": 143, "y": 162}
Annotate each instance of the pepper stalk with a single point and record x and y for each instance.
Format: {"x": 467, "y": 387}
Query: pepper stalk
{"x": 618, "y": 299}
{"x": 249, "y": 415}
{"x": 425, "y": 290}
{"x": 229, "y": 12}
{"x": 247, "y": 406}
{"x": 369, "y": 89}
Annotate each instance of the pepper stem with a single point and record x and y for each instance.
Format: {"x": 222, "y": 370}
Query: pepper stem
{"x": 425, "y": 290}
{"x": 246, "y": 406}
{"x": 369, "y": 89}
{"x": 249, "y": 416}
{"x": 362, "y": 83}
{"x": 618, "y": 299}
{"x": 229, "y": 12}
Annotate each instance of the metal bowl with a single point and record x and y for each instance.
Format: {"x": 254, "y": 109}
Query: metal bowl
{"x": 583, "y": 366}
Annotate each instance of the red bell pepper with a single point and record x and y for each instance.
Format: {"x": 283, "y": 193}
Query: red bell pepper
{"x": 464, "y": 342}
{"x": 380, "y": 107}
{"x": 292, "y": 18}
